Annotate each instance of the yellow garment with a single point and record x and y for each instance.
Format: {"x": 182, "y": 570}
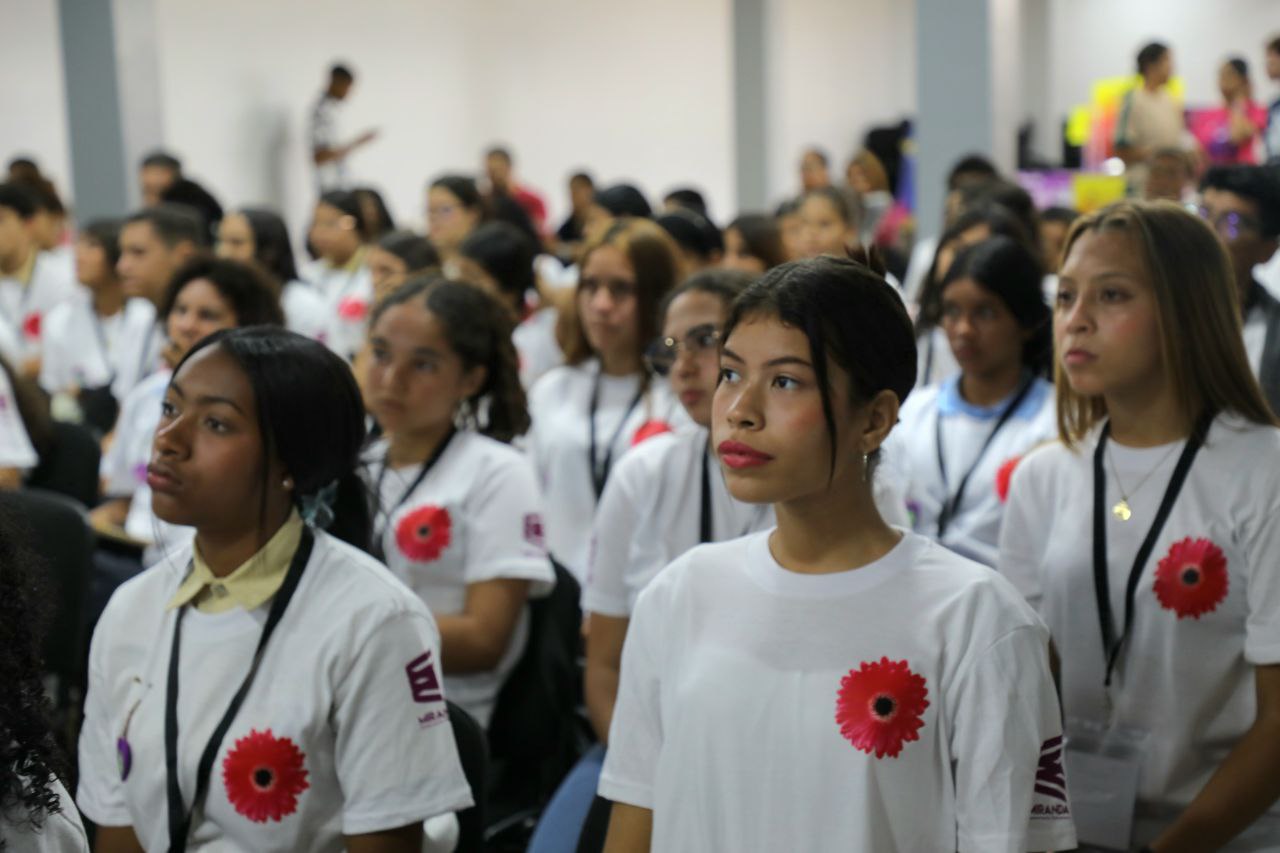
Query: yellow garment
{"x": 251, "y": 584}
{"x": 23, "y": 274}
{"x": 356, "y": 261}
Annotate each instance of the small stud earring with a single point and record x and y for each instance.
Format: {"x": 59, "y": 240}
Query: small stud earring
{"x": 287, "y": 484}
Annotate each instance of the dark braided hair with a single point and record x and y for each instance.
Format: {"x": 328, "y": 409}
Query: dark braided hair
{"x": 30, "y": 759}
{"x": 478, "y": 327}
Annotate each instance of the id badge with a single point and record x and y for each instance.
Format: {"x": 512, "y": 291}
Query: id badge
{"x": 1103, "y": 765}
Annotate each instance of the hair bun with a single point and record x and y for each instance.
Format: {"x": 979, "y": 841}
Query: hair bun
{"x": 870, "y": 257}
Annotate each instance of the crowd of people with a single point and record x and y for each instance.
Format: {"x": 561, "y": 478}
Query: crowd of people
{"x": 865, "y": 542}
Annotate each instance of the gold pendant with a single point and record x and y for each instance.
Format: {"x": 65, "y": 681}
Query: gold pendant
{"x": 1122, "y": 511}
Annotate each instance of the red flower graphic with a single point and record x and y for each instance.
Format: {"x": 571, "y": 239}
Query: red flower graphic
{"x": 353, "y": 308}
{"x": 263, "y": 776}
{"x": 424, "y": 533}
{"x": 649, "y": 429}
{"x": 1191, "y": 580}
{"x": 1003, "y": 477}
{"x": 31, "y": 325}
{"x": 879, "y": 705}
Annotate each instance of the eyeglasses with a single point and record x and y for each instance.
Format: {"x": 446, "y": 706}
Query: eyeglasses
{"x": 1231, "y": 225}
{"x": 661, "y": 355}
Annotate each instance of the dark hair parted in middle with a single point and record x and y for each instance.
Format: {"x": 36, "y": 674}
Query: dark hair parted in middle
{"x": 850, "y": 315}
{"x": 478, "y": 327}
{"x": 1004, "y": 267}
{"x": 310, "y": 416}
{"x": 253, "y": 297}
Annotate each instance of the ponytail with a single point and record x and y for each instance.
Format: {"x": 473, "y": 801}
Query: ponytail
{"x": 351, "y": 521}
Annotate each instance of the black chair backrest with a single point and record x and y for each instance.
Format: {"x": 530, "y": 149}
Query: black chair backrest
{"x": 57, "y": 531}
{"x": 473, "y": 750}
{"x": 70, "y": 466}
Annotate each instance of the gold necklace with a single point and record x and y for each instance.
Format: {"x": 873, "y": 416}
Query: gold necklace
{"x": 1121, "y": 509}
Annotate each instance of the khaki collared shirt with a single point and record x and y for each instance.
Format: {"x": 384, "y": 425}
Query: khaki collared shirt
{"x": 251, "y": 584}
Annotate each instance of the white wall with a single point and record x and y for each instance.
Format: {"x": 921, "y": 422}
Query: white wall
{"x": 32, "y": 103}
{"x": 1090, "y": 39}
{"x": 838, "y": 68}
{"x": 626, "y": 90}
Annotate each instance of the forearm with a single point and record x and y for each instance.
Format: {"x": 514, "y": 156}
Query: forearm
{"x": 116, "y": 839}
{"x": 601, "y": 689}
{"x": 1243, "y": 788}
{"x": 630, "y": 829}
{"x": 468, "y": 645}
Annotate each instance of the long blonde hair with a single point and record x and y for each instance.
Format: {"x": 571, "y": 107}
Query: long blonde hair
{"x": 1198, "y": 319}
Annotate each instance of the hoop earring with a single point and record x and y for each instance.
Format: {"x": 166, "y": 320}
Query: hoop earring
{"x": 866, "y": 468}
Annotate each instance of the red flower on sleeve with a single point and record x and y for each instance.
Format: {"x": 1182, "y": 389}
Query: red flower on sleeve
{"x": 31, "y": 325}
{"x": 423, "y": 534}
{"x": 879, "y": 707}
{"x": 353, "y": 308}
{"x": 263, "y": 776}
{"x": 1004, "y": 475}
{"x": 1192, "y": 579}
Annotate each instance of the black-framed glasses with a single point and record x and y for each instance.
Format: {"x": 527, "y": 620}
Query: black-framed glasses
{"x": 1231, "y": 224}
{"x": 661, "y": 355}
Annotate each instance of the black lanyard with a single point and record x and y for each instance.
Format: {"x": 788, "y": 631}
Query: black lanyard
{"x": 1112, "y": 642}
{"x": 180, "y": 816}
{"x": 951, "y": 504}
{"x": 705, "y": 526}
{"x": 600, "y": 468}
{"x": 378, "y": 550}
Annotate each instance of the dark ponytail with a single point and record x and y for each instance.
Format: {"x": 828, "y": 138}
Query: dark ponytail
{"x": 479, "y": 328}
{"x": 311, "y": 418}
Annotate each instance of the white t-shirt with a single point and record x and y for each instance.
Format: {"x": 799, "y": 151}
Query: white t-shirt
{"x": 83, "y": 350}
{"x": 60, "y": 832}
{"x": 23, "y": 308}
{"x": 476, "y": 516}
{"x": 124, "y": 465}
{"x": 347, "y": 295}
{"x": 324, "y": 133}
{"x": 347, "y": 708}
{"x": 1186, "y": 673}
{"x": 903, "y": 706}
{"x": 912, "y": 454}
{"x": 536, "y": 345}
{"x": 305, "y": 310}
{"x": 16, "y": 449}
{"x": 559, "y": 443}
{"x": 1255, "y": 337}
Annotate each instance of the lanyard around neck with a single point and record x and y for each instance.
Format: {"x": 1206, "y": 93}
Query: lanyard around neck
{"x": 600, "y": 468}
{"x": 1112, "y": 642}
{"x": 180, "y": 816}
{"x": 951, "y": 504}
{"x": 378, "y": 550}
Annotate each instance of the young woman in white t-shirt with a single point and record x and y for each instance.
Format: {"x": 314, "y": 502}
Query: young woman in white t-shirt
{"x": 835, "y": 683}
{"x": 1149, "y": 539}
{"x": 205, "y": 296}
{"x": 589, "y": 412}
{"x": 88, "y": 355}
{"x": 340, "y": 273}
{"x": 455, "y": 208}
{"x": 959, "y": 441}
{"x": 257, "y": 235}
{"x": 271, "y": 687}
{"x": 459, "y": 517}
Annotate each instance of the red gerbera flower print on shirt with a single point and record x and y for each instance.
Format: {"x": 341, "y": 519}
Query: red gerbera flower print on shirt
{"x": 423, "y": 534}
{"x": 1004, "y": 475}
{"x": 879, "y": 706}
{"x": 353, "y": 308}
{"x": 1191, "y": 580}
{"x": 264, "y": 775}
{"x": 31, "y": 325}
{"x": 648, "y": 430}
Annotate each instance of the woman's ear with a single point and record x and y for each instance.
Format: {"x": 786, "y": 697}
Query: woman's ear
{"x": 473, "y": 380}
{"x": 880, "y": 414}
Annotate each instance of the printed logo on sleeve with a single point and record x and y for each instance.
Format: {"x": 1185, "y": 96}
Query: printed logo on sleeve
{"x": 1051, "y": 782}
{"x": 424, "y": 684}
{"x": 533, "y": 533}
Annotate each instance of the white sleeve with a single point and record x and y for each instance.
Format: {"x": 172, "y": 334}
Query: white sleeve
{"x": 395, "y": 755}
{"x": 100, "y": 793}
{"x": 1022, "y": 534}
{"x": 617, "y": 518}
{"x": 1006, "y": 747}
{"x": 55, "y": 374}
{"x": 506, "y": 527}
{"x": 1262, "y": 546}
{"x": 16, "y": 450}
{"x": 635, "y": 735}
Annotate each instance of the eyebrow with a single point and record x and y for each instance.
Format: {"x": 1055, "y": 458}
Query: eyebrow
{"x": 383, "y": 342}
{"x": 1109, "y": 274}
{"x": 206, "y": 399}
{"x": 773, "y": 362}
